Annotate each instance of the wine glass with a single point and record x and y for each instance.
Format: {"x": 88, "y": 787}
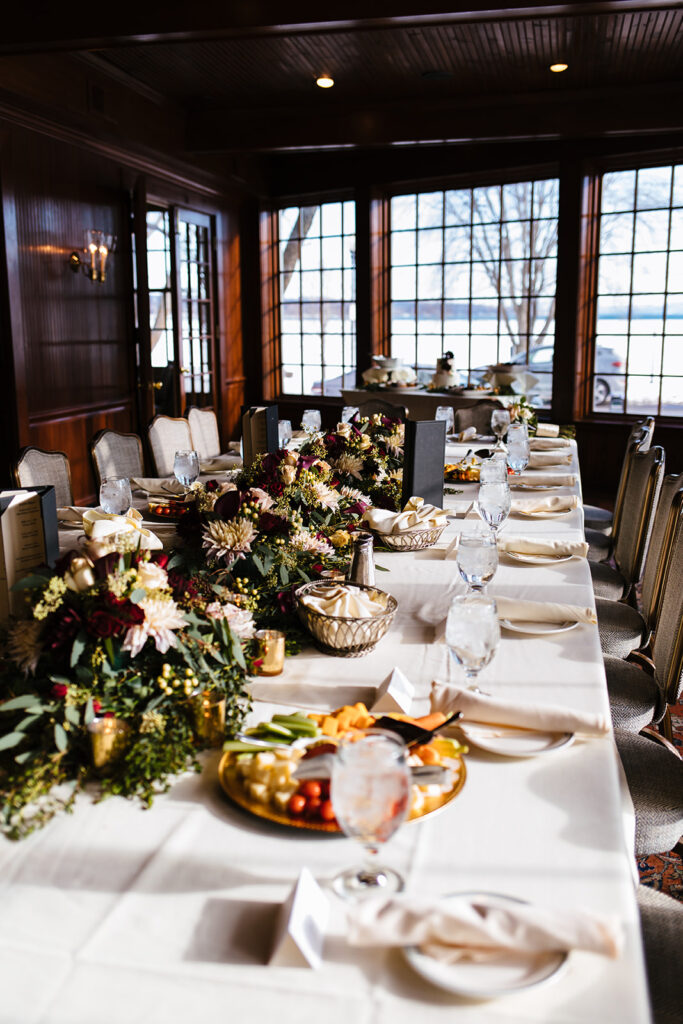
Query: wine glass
{"x": 472, "y": 633}
{"x": 493, "y": 504}
{"x": 518, "y": 447}
{"x": 115, "y": 495}
{"x": 348, "y": 412}
{"x": 500, "y": 421}
{"x": 186, "y": 467}
{"x": 370, "y": 792}
{"x": 284, "y": 432}
{"x": 477, "y": 559}
{"x": 445, "y": 412}
{"x": 310, "y": 421}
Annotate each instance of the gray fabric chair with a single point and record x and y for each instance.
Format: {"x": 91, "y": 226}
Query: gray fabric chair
{"x": 477, "y": 416}
{"x": 167, "y": 435}
{"x": 601, "y": 542}
{"x": 661, "y": 921}
{"x": 36, "y": 467}
{"x": 204, "y": 432}
{"x": 601, "y": 519}
{"x": 375, "y": 407}
{"x": 622, "y": 628}
{"x": 640, "y": 499}
{"x": 655, "y": 780}
{"x": 118, "y": 455}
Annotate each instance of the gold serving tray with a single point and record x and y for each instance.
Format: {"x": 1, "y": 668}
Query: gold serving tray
{"x": 232, "y": 787}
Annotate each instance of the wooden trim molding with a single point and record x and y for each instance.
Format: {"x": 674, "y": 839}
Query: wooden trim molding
{"x": 270, "y": 306}
{"x": 380, "y": 270}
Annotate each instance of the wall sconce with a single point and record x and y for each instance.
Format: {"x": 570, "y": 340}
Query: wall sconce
{"x": 93, "y": 258}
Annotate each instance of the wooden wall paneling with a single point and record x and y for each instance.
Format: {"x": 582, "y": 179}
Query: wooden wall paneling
{"x": 230, "y": 372}
{"x": 380, "y": 275}
{"x": 586, "y": 288}
{"x": 270, "y": 308}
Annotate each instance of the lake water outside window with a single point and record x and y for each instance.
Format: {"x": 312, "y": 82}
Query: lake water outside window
{"x": 317, "y": 266}
{"x": 638, "y": 366}
{"x": 473, "y": 272}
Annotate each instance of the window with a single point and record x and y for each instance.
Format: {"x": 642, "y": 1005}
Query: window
{"x": 638, "y": 336}
{"x": 473, "y": 272}
{"x": 317, "y": 290}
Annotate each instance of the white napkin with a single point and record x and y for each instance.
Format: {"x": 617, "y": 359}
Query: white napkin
{"x": 219, "y": 463}
{"x": 539, "y": 479}
{"x": 552, "y": 503}
{"x": 543, "y": 546}
{"x": 98, "y": 525}
{"x": 479, "y": 930}
{"x": 415, "y": 515}
{"x": 468, "y": 434}
{"x": 478, "y": 707}
{"x": 547, "y": 430}
{"x": 542, "y": 611}
{"x": 540, "y": 460}
{"x": 72, "y": 515}
{"x": 162, "y": 487}
{"x": 345, "y": 601}
{"x": 548, "y": 444}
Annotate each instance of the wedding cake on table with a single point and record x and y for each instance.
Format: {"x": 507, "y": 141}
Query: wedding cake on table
{"x": 446, "y": 375}
{"x": 389, "y": 372}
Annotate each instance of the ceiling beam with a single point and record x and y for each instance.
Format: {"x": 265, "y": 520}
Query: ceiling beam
{"x": 44, "y": 26}
{"x": 576, "y": 114}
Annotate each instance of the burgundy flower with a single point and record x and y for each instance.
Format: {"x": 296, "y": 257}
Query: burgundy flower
{"x": 212, "y": 485}
{"x": 228, "y": 505}
{"x": 115, "y": 618}
{"x": 161, "y": 559}
{"x": 285, "y": 601}
{"x": 62, "y": 628}
{"x": 59, "y": 690}
{"x": 269, "y": 523}
{"x": 306, "y": 461}
{"x": 103, "y": 624}
{"x": 181, "y": 585}
{"x": 96, "y": 706}
{"x": 105, "y": 565}
{"x": 357, "y": 509}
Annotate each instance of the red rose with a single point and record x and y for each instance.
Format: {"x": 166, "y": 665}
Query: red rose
{"x": 161, "y": 559}
{"x": 96, "y": 706}
{"x": 60, "y": 690}
{"x": 103, "y": 624}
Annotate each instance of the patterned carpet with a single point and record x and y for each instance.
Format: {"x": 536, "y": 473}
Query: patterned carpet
{"x": 664, "y": 871}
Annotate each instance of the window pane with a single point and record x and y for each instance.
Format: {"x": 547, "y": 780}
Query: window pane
{"x": 430, "y": 209}
{"x": 654, "y": 187}
{"x": 403, "y": 212}
{"x": 616, "y": 233}
{"x": 618, "y": 191}
{"x": 402, "y": 248}
{"x": 652, "y": 230}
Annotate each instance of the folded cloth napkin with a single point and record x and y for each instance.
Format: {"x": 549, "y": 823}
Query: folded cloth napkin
{"x": 542, "y": 611}
{"x": 160, "y": 487}
{"x": 415, "y": 515}
{"x": 468, "y": 434}
{"x": 551, "y": 503}
{"x": 72, "y": 515}
{"x": 541, "y": 460}
{"x": 548, "y": 444}
{"x": 539, "y": 479}
{"x": 218, "y": 463}
{"x": 345, "y": 601}
{"x": 98, "y": 525}
{"x": 478, "y": 929}
{"x": 547, "y": 430}
{"x": 478, "y": 707}
{"x": 543, "y": 546}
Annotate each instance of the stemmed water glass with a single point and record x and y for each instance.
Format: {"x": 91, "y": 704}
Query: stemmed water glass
{"x": 370, "y": 792}
{"x": 186, "y": 467}
{"x": 310, "y": 421}
{"x": 493, "y": 471}
{"x": 518, "y": 447}
{"x": 348, "y": 412}
{"x": 115, "y": 495}
{"x": 500, "y": 421}
{"x": 472, "y": 633}
{"x": 493, "y": 504}
{"x": 477, "y": 559}
{"x": 284, "y": 432}
{"x": 445, "y": 412}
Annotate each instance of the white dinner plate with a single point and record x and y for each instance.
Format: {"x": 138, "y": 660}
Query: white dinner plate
{"x": 543, "y": 515}
{"x": 473, "y": 393}
{"x": 518, "y": 556}
{"x": 497, "y": 976}
{"x": 510, "y": 742}
{"x": 538, "y": 628}
{"x": 534, "y": 487}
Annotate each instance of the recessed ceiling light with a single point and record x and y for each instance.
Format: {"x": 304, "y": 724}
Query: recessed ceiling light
{"x": 559, "y": 67}
{"x": 324, "y": 82}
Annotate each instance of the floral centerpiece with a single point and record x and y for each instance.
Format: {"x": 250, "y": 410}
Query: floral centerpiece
{"x": 112, "y": 637}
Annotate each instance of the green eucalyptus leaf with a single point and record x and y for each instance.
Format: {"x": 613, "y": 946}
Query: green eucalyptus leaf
{"x": 89, "y": 713}
{"x": 238, "y": 653}
{"x": 26, "y": 700}
{"x": 259, "y": 564}
{"x": 381, "y": 568}
{"x": 173, "y": 561}
{"x": 72, "y": 715}
{"x": 25, "y": 755}
{"x": 138, "y": 595}
{"x": 61, "y": 739}
{"x": 26, "y": 723}
{"x": 77, "y": 649}
{"x": 284, "y": 575}
{"x": 11, "y": 739}
{"x": 31, "y": 582}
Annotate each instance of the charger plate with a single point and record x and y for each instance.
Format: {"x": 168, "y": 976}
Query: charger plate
{"x": 518, "y": 556}
{"x": 543, "y": 515}
{"x": 538, "y": 628}
{"x": 510, "y": 742}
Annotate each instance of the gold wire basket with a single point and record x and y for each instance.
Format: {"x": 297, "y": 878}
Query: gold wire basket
{"x": 409, "y": 540}
{"x": 341, "y": 636}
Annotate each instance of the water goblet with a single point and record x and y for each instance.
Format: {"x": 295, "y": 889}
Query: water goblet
{"x": 493, "y": 471}
{"x": 186, "y": 467}
{"x": 284, "y": 432}
{"x": 445, "y": 412}
{"x": 493, "y": 504}
{"x": 500, "y": 421}
{"x": 115, "y": 495}
{"x": 370, "y": 793}
{"x": 472, "y": 633}
{"x": 477, "y": 559}
{"x": 348, "y": 412}
{"x": 310, "y": 421}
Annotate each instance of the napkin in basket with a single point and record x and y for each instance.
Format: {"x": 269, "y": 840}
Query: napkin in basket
{"x": 478, "y": 930}
{"x": 100, "y": 525}
{"x": 416, "y": 515}
{"x": 539, "y": 479}
{"x": 478, "y": 707}
{"x": 540, "y": 460}
{"x": 551, "y": 503}
{"x": 543, "y": 546}
{"x": 548, "y": 444}
{"x": 542, "y": 611}
{"x": 345, "y": 601}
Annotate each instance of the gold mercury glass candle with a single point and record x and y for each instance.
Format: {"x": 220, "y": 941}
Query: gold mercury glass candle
{"x": 107, "y": 740}
{"x": 271, "y": 651}
{"x": 209, "y": 717}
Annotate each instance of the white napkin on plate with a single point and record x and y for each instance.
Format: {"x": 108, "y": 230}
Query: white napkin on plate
{"x": 162, "y": 487}
{"x": 542, "y": 611}
{"x": 548, "y": 444}
{"x": 218, "y": 463}
{"x": 72, "y": 515}
{"x": 468, "y": 434}
{"x": 479, "y": 929}
{"x": 98, "y": 525}
{"x": 540, "y": 460}
{"x": 415, "y": 515}
{"x": 539, "y": 479}
{"x": 551, "y": 503}
{"x": 478, "y": 707}
{"x": 345, "y": 601}
{"x": 543, "y": 546}
{"x": 547, "y": 430}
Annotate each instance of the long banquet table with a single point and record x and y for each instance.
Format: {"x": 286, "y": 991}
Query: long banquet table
{"x": 114, "y": 914}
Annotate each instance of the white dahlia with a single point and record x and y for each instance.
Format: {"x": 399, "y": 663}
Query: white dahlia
{"x": 228, "y": 540}
{"x": 349, "y": 464}
{"x": 325, "y": 496}
{"x": 305, "y": 541}
{"x": 241, "y": 621}
{"x": 162, "y": 616}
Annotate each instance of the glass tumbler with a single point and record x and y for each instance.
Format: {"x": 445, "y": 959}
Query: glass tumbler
{"x": 186, "y": 467}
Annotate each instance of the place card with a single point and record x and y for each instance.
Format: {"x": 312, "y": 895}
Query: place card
{"x": 299, "y": 933}
{"x": 395, "y": 693}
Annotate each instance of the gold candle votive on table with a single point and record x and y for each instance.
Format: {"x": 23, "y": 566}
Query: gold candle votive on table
{"x": 209, "y": 717}
{"x": 271, "y": 651}
{"x": 107, "y": 740}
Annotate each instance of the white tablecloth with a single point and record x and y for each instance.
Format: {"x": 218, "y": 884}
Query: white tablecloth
{"x": 114, "y": 914}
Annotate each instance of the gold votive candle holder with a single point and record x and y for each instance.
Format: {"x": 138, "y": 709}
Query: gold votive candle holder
{"x": 333, "y": 574}
{"x": 209, "y": 717}
{"x": 271, "y": 651}
{"x": 108, "y": 738}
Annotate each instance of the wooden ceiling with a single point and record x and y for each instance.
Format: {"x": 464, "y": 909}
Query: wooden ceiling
{"x": 244, "y": 73}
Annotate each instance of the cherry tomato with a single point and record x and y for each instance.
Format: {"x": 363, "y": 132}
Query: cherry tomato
{"x": 296, "y": 805}
{"x": 313, "y": 805}
{"x": 326, "y": 810}
{"x": 324, "y": 789}
{"x": 311, "y": 789}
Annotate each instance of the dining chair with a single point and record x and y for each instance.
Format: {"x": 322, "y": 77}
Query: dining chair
{"x": 167, "y": 435}
{"x": 36, "y": 467}
{"x": 623, "y": 628}
{"x": 477, "y": 416}
{"x": 654, "y": 775}
{"x": 642, "y": 689}
{"x": 375, "y": 407}
{"x": 661, "y": 924}
{"x": 601, "y": 519}
{"x": 602, "y": 541}
{"x": 204, "y": 432}
{"x": 116, "y": 454}
{"x": 640, "y": 498}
